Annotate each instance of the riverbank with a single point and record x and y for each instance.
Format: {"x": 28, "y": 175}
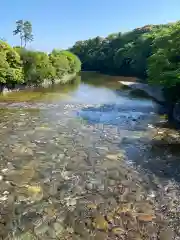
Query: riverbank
{"x": 46, "y": 83}
{"x": 153, "y": 92}
{"x": 170, "y": 108}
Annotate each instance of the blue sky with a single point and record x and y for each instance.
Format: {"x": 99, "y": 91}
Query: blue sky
{"x": 60, "y": 23}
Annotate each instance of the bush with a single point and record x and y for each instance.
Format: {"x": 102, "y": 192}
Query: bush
{"x": 64, "y": 62}
{"x": 19, "y": 65}
{"x": 164, "y": 64}
{"x": 37, "y": 66}
{"x": 11, "y": 70}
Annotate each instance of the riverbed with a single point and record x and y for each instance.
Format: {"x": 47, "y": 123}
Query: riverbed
{"x": 87, "y": 161}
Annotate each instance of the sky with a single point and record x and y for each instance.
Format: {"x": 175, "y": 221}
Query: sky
{"x": 60, "y": 23}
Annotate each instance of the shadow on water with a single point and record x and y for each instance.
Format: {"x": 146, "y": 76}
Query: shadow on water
{"x": 120, "y": 115}
{"x": 52, "y": 93}
{"x": 159, "y": 157}
{"x": 101, "y": 80}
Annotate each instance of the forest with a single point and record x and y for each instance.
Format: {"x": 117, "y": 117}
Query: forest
{"x": 18, "y": 65}
{"x": 151, "y": 53}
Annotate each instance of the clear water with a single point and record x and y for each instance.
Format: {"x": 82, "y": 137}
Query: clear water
{"x": 83, "y": 161}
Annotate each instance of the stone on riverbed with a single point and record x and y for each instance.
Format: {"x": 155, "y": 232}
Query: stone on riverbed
{"x": 114, "y": 174}
{"x": 41, "y": 229}
{"x": 78, "y": 184}
{"x": 58, "y": 227}
{"x": 100, "y": 236}
{"x": 166, "y": 234}
{"x": 26, "y": 236}
{"x": 100, "y": 223}
{"x": 30, "y": 193}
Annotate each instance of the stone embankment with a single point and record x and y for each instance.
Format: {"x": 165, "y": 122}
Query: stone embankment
{"x": 153, "y": 91}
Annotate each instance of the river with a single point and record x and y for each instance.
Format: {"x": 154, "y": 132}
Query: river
{"x": 87, "y": 160}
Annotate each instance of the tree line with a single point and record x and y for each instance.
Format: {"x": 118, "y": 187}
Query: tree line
{"x": 151, "y": 53}
{"x": 19, "y": 65}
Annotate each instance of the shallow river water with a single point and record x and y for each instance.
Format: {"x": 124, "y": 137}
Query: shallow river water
{"x": 87, "y": 161}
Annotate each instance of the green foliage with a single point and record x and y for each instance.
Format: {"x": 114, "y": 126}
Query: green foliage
{"x": 24, "y": 30}
{"x": 73, "y": 61}
{"x": 151, "y": 53}
{"x": 37, "y": 66}
{"x": 4, "y": 67}
{"x": 59, "y": 62}
{"x": 10, "y": 65}
{"x": 164, "y": 63}
{"x": 123, "y": 54}
{"x": 19, "y": 65}
{"x": 64, "y": 62}
{"x": 127, "y": 54}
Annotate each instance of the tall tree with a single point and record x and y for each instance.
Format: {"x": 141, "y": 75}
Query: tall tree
{"x": 27, "y": 30}
{"x": 19, "y": 30}
{"x": 24, "y": 30}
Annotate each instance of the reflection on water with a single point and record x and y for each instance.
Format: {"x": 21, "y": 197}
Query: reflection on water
{"x": 83, "y": 161}
{"x": 49, "y": 94}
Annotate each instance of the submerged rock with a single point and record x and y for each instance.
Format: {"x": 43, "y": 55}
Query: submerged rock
{"x": 100, "y": 223}
{"x": 58, "y": 227}
{"x": 30, "y": 193}
{"x": 26, "y": 236}
{"x": 41, "y": 229}
{"x": 166, "y": 234}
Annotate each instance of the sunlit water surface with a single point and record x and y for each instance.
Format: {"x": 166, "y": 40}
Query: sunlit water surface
{"x": 83, "y": 161}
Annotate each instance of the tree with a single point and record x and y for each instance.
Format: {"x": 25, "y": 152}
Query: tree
{"x": 119, "y": 53}
{"x": 11, "y": 71}
{"x": 164, "y": 63}
{"x": 36, "y": 66}
{"x": 64, "y": 62}
{"x": 24, "y": 29}
{"x": 28, "y": 36}
{"x": 19, "y": 30}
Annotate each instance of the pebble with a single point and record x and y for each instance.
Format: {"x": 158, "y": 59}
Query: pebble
{"x": 111, "y": 182}
{"x": 65, "y": 175}
{"x": 145, "y": 217}
{"x": 110, "y": 217}
{"x": 26, "y": 236}
{"x": 100, "y": 223}
{"x": 5, "y": 193}
{"x": 152, "y": 195}
{"x": 91, "y": 206}
{"x": 41, "y": 229}
{"x": 89, "y": 186}
{"x": 118, "y": 231}
{"x": 101, "y": 187}
{"x": 58, "y": 228}
{"x": 113, "y": 174}
{"x": 100, "y": 236}
{"x": 166, "y": 234}
{"x": 4, "y": 170}
{"x": 61, "y": 156}
{"x": 71, "y": 202}
{"x": 3, "y": 198}
{"x": 112, "y": 156}
{"x": 80, "y": 229}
